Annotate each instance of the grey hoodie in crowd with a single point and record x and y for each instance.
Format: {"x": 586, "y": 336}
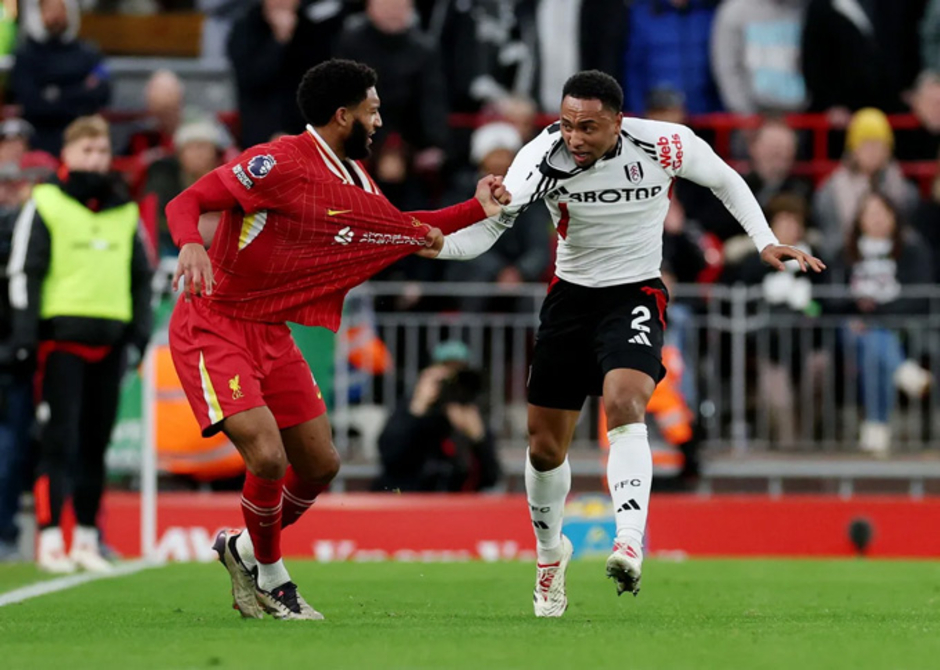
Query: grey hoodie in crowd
{"x": 755, "y": 52}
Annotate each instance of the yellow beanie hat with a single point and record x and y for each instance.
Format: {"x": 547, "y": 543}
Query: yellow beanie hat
{"x": 868, "y": 124}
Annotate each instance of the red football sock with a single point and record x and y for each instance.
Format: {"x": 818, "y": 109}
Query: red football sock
{"x": 261, "y": 506}
{"x": 298, "y": 496}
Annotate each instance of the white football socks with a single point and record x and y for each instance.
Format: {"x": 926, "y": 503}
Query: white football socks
{"x": 546, "y": 493}
{"x": 246, "y": 550}
{"x": 629, "y": 477}
{"x": 270, "y": 575}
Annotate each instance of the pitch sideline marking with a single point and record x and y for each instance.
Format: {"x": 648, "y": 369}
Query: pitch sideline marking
{"x": 63, "y": 583}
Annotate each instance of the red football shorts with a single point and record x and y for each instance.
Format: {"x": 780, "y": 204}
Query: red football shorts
{"x": 231, "y": 365}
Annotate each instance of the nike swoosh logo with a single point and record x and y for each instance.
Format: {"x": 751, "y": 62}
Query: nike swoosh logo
{"x": 266, "y": 525}
{"x": 337, "y": 212}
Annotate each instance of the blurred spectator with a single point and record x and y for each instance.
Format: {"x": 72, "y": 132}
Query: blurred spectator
{"x": 755, "y": 48}
{"x": 868, "y": 165}
{"x": 490, "y": 53}
{"x": 38, "y": 166}
{"x": 16, "y": 401}
{"x": 414, "y": 98}
{"x": 199, "y": 150}
{"x": 773, "y": 152}
{"x": 682, "y": 253}
{"x": 930, "y": 37}
{"x": 922, "y": 143}
{"x": 665, "y": 103}
{"x": 271, "y": 47}
{"x": 927, "y": 223}
{"x": 667, "y": 46}
{"x": 880, "y": 259}
{"x": 522, "y": 253}
{"x": 859, "y": 53}
{"x": 787, "y": 355}
{"x": 220, "y": 15}
{"x": 164, "y": 99}
{"x": 520, "y": 111}
{"x": 438, "y": 440}
{"x": 80, "y": 288}
{"x": 15, "y": 136}
{"x": 56, "y": 77}
{"x": 573, "y": 36}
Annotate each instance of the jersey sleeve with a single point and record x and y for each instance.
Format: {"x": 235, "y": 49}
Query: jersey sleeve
{"x": 263, "y": 176}
{"x": 526, "y": 185}
{"x": 684, "y": 154}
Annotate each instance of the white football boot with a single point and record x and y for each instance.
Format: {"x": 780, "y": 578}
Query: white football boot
{"x": 243, "y": 578}
{"x": 50, "y": 554}
{"x": 550, "y": 598}
{"x": 624, "y": 567}
{"x": 285, "y": 602}
{"x": 86, "y": 551}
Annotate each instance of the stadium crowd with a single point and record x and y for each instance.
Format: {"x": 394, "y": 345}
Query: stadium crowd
{"x": 466, "y": 83}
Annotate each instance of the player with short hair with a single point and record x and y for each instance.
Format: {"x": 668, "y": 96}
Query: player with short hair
{"x": 606, "y": 180}
{"x": 302, "y": 224}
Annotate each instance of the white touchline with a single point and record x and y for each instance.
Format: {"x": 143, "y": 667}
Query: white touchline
{"x": 64, "y": 583}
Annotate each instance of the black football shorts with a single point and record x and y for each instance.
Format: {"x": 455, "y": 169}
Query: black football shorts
{"x": 584, "y": 333}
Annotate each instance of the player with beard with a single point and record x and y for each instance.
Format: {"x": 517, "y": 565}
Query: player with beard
{"x": 302, "y": 223}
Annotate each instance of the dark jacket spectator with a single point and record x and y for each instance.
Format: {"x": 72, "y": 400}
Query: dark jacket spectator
{"x": 926, "y": 222}
{"x": 575, "y": 36}
{"x": 667, "y": 45}
{"x": 859, "y": 54}
{"x": 16, "y": 376}
{"x": 683, "y": 256}
{"x": 439, "y": 441}
{"x": 271, "y": 47}
{"x": 411, "y": 78}
{"x": 922, "y": 143}
{"x": 57, "y": 77}
{"x": 881, "y": 256}
{"x": 491, "y": 51}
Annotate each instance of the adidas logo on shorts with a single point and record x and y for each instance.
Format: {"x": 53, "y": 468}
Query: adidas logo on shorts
{"x": 640, "y": 338}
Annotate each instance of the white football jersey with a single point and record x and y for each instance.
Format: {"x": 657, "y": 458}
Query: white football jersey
{"x": 609, "y": 217}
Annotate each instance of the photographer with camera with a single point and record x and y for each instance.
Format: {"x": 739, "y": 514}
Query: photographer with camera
{"x": 439, "y": 440}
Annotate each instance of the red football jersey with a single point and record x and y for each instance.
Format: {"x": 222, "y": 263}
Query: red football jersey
{"x": 309, "y": 228}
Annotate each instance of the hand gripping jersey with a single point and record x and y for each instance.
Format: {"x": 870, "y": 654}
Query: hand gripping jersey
{"x": 609, "y": 217}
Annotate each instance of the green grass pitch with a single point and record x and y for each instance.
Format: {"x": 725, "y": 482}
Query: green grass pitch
{"x": 692, "y": 615}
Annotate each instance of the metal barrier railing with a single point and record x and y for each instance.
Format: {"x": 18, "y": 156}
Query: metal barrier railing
{"x": 758, "y": 377}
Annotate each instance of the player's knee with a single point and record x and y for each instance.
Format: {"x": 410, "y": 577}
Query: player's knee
{"x": 625, "y": 409}
{"x": 331, "y": 466}
{"x": 266, "y": 461}
{"x": 546, "y": 452}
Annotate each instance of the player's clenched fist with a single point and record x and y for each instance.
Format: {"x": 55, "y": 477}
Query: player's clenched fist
{"x": 195, "y": 268}
{"x": 492, "y": 194}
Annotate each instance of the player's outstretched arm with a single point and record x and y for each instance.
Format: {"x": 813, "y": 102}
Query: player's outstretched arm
{"x": 702, "y": 166}
{"x": 492, "y": 195}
